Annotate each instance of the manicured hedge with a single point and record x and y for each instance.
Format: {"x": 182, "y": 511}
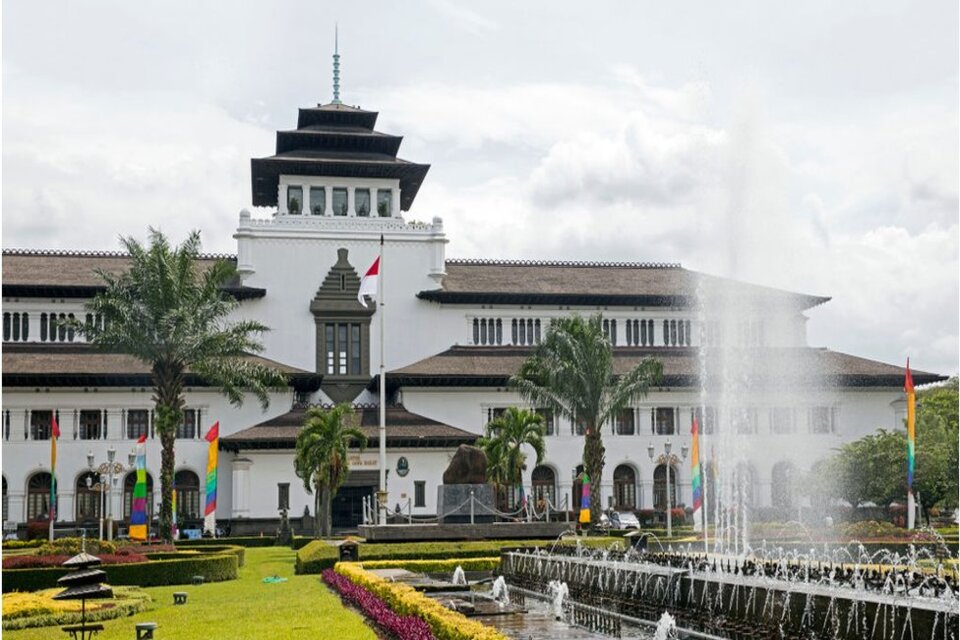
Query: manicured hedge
{"x": 319, "y": 555}
{"x": 406, "y": 601}
{"x": 244, "y": 541}
{"x": 127, "y": 601}
{"x": 213, "y": 567}
{"x": 435, "y": 566}
{"x": 238, "y": 551}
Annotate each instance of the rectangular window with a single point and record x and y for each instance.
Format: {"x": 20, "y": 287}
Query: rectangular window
{"x": 548, "y": 420}
{"x": 342, "y": 349}
{"x": 579, "y": 427}
{"x": 330, "y": 349}
{"x": 90, "y": 422}
{"x": 361, "y": 202}
{"x": 294, "y": 200}
{"x": 663, "y": 421}
{"x": 744, "y": 420}
{"x": 318, "y": 201}
{"x": 283, "y": 495}
{"x": 40, "y": 425}
{"x": 355, "y": 368}
{"x": 384, "y": 203}
{"x": 494, "y": 413}
{"x": 821, "y": 420}
{"x": 339, "y": 201}
{"x": 625, "y": 423}
{"x": 706, "y": 419}
{"x": 781, "y": 420}
{"x": 138, "y": 421}
{"x": 187, "y": 430}
{"x": 420, "y": 493}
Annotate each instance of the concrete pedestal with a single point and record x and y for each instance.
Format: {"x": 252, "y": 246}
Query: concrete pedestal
{"x": 453, "y": 503}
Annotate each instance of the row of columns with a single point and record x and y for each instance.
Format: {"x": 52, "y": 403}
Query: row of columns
{"x": 305, "y": 208}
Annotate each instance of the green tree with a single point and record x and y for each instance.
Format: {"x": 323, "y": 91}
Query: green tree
{"x": 172, "y": 313}
{"x": 322, "y": 457}
{"x": 938, "y": 434}
{"x": 572, "y": 373}
{"x": 504, "y": 441}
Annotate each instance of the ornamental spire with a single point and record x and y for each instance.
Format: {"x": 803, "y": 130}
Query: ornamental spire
{"x": 336, "y": 65}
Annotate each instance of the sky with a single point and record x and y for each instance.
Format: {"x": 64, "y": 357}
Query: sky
{"x": 808, "y": 146}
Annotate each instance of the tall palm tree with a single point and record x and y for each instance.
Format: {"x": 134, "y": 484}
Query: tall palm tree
{"x": 172, "y": 314}
{"x": 571, "y": 372}
{"x": 503, "y": 444}
{"x": 322, "y": 457}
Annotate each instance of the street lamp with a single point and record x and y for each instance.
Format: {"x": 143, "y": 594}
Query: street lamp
{"x": 107, "y": 471}
{"x": 668, "y": 461}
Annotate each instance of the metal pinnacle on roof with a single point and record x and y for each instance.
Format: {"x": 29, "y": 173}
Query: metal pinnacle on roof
{"x": 336, "y": 65}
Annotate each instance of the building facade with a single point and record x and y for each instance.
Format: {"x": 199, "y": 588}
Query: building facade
{"x": 454, "y": 331}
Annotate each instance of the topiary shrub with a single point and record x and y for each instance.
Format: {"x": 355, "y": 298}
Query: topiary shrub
{"x": 73, "y": 546}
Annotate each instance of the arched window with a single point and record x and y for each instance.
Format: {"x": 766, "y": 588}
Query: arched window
{"x": 38, "y": 496}
{"x": 660, "y": 487}
{"x": 744, "y": 484}
{"x": 87, "y": 500}
{"x": 128, "y": 484}
{"x": 783, "y": 486}
{"x": 187, "y": 485}
{"x": 544, "y": 486}
{"x": 624, "y": 487}
{"x": 5, "y": 505}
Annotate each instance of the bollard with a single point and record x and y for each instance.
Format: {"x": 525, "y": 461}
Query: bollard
{"x": 471, "y": 506}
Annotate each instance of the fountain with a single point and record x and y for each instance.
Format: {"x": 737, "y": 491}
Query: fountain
{"x": 666, "y": 628}
{"x": 558, "y": 593}
{"x": 459, "y": 577}
{"x": 499, "y": 591}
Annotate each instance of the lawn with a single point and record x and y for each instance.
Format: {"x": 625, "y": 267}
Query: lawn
{"x": 302, "y": 607}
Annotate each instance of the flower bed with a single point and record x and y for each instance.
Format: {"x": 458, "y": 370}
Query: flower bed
{"x": 402, "y": 627}
{"x": 37, "y": 561}
{"x": 39, "y": 609}
{"x": 405, "y": 600}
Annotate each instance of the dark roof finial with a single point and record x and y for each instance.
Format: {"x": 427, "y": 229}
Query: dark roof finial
{"x": 336, "y": 64}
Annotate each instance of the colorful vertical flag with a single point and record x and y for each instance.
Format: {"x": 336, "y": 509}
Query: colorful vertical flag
{"x": 210, "y": 511}
{"x": 911, "y": 442}
{"x": 174, "y": 530}
{"x": 54, "y": 436}
{"x": 585, "y": 500}
{"x": 138, "y": 507}
{"x": 696, "y": 482}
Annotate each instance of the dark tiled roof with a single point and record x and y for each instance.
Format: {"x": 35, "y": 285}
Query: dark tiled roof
{"x": 339, "y": 141}
{"x": 404, "y": 429}
{"x": 82, "y": 365}
{"x": 493, "y": 366}
{"x": 593, "y": 283}
{"x": 42, "y": 273}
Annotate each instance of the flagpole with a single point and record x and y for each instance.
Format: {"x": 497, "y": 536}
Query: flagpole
{"x": 383, "y": 398}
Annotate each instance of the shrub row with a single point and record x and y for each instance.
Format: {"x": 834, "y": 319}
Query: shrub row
{"x": 405, "y": 600}
{"x": 318, "y": 555}
{"x": 400, "y": 627}
{"x": 34, "y": 561}
{"x": 213, "y": 567}
{"x": 36, "y": 610}
{"x": 436, "y": 566}
{"x": 243, "y": 541}
{"x": 22, "y": 544}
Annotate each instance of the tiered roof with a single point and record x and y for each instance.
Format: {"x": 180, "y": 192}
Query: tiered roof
{"x": 645, "y": 284}
{"x": 404, "y": 429}
{"x": 335, "y": 140}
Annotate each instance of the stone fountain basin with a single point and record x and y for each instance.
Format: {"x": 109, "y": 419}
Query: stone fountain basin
{"x": 419, "y": 581}
{"x": 472, "y": 604}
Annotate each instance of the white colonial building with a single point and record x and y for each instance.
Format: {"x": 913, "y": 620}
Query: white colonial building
{"x": 454, "y": 332}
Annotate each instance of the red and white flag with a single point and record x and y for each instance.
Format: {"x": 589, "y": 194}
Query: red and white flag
{"x": 368, "y": 283}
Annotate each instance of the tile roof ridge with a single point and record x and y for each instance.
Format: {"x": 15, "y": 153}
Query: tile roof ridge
{"x": 561, "y": 263}
{"x": 94, "y": 253}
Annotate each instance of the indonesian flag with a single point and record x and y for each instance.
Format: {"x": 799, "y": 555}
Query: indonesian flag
{"x": 368, "y": 283}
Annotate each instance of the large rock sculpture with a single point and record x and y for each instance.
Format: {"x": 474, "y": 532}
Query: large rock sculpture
{"x": 468, "y": 466}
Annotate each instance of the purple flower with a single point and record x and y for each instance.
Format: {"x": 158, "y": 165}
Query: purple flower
{"x": 402, "y": 627}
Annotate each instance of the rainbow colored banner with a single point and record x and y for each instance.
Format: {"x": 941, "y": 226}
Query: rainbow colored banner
{"x": 695, "y": 480}
{"x": 174, "y": 530}
{"x": 585, "y": 500}
{"x": 210, "y": 511}
{"x": 138, "y": 509}
{"x": 911, "y": 425}
{"x": 54, "y": 435}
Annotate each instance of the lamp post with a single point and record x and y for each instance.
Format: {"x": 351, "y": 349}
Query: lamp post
{"x": 107, "y": 471}
{"x": 668, "y": 461}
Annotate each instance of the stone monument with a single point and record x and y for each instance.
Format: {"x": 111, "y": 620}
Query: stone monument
{"x": 466, "y": 475}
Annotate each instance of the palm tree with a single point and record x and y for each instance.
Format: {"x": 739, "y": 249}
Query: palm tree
{"x": 503, "y": 444}
{"x": 571, "y": 372}
{"x": 322, "y": 457}
{"x": 170, "y": 312}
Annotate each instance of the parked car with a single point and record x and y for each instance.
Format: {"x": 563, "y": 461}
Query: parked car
{"x": 624, "y": 520}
